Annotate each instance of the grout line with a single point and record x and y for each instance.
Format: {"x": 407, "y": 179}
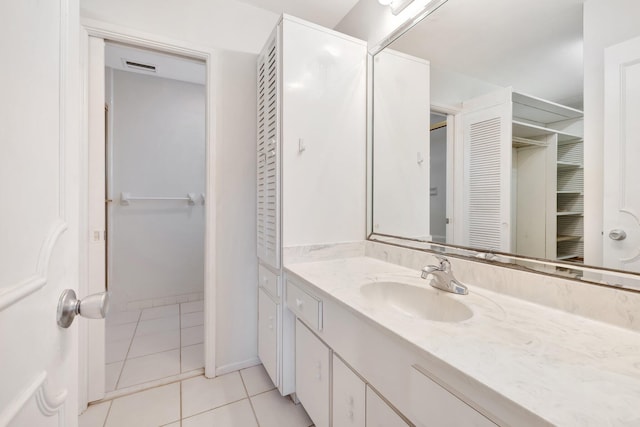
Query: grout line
{"x": 180, "y": 352}
{"x": 104, "y": 423}
{"x": 137, "y": 388}
{"x": 267, "y": 391}
{"x": 218, "y": 407}
{"x": 127, "y": 354}
{"x": 180, "y": 403}
{"x": 246, "y": 390}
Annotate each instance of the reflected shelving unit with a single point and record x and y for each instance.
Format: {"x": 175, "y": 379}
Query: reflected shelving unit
{"x": 560, "y": 129}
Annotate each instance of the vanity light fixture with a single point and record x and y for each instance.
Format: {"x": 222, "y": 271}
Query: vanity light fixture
{"x": 397, "y": 6}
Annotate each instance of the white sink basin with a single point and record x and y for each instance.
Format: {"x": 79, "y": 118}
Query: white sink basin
{"x": 416, "y": 302}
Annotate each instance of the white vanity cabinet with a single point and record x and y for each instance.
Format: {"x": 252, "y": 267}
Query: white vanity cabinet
{"x": 379, "y": 414}
{"x": 311, "y": 119}
{"x": 313, "y": 361}
{"x": 349, "y": 396}
{"x": 353, "y": 374}
{"x": 268, "y": 325}
{"x": 432, "y": 405}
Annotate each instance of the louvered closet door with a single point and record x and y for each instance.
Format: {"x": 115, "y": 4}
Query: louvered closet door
{"x": 268, "y": 197}
{"x": 487, "y": 178}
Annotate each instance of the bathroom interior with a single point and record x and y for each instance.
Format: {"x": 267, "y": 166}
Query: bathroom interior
{"x": 459, "y": 150}
{"x": 155, "y": 180}
{"x": 371, "y": 213}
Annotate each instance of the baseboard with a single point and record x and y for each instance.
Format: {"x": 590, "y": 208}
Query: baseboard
{"x": 232, "y": 367}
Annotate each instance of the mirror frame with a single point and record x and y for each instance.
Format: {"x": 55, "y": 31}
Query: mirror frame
{"x": 592, "y": 275}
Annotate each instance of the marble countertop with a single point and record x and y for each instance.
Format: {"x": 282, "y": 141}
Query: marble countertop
{"x": 566, "y": 369}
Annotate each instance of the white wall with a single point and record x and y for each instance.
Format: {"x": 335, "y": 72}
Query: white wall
{"x": 237, "y": 268}
{"x": 606, "y": 22}
{"x": 224, "y": 24}
{"x": 158, "y": 147}
{"x": 450, "y": 89}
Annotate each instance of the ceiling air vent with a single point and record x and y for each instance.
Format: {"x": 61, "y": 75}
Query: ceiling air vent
{"x": 139, "y": 66}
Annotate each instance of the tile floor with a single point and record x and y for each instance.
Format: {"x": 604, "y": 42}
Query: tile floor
{"x": 146, "y": 345}
{"x": 240, "y": 399}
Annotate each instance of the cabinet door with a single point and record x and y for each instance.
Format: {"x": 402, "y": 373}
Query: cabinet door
{"x": 268, "y": 165}
{"x": 312, "y": 375}
{"x": 268, "y": 321}
{"x": 379, "y": 414}
{"x": 432, "y": 405}
{"x": 348, "y": 396}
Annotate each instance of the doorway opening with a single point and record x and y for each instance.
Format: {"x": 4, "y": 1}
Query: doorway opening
{"x": 155, "y": 151}
{"x": 438, "y": 178}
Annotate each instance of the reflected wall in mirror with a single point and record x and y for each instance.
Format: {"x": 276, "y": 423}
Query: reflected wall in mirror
{"x": 478, "y": 135}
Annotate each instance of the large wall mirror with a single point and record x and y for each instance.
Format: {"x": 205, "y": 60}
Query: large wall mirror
{"x": 478, "y": 139}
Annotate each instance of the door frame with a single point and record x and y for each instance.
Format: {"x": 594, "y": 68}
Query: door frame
{"x": 116, "y": 33}
{"x": 451, "y": 114}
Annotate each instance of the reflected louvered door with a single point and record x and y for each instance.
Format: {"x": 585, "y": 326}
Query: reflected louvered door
{"x": 487, "y": 178}
{"x": 268, "y": 185}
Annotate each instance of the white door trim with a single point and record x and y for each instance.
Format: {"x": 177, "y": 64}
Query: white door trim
{"x": 120, "y": 34}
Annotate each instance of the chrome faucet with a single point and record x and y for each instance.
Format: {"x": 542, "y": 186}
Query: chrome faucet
{"x": 443, "y": 277}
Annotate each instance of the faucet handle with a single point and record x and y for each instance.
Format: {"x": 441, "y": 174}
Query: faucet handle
{"x": 444, "y": 262}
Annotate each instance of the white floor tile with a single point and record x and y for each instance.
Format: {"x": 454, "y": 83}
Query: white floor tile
{"x": 192, "y": 357}
{"x": 176, "y": 424}
{"x": 201, "y": 394}
{"x": 94, "y": 416}
{"x": 192, "y": 319}
{"x": 191, "y": 336}
{"x": 273, "y": 410}
{"x": 190, "y": 307}
{"x": 162, "y": 311}
{"x": 120, "y": 332}
{"x": 233, "y": 415}
{"x": 154, "y": 343}
{"x": 149, "y": 368}
{"x": 120, "y": 317}
{"x": 116, "y": 351}
{"x": 112, "y": 374}
{"x": 256, "y": 380}
{"x": 161, "y": 324}
{"x": 154, "y": 407}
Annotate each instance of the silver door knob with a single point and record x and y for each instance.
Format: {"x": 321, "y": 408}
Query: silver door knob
{"x": 92, "y": 307}
{"x": 617, "y": 234}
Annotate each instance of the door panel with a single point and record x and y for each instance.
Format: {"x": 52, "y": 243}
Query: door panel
{"x": 96, "y": 212}
{"x": 38, "y": 221}
{"x": 486, "y": 173}
{"x": 622, "y": 156}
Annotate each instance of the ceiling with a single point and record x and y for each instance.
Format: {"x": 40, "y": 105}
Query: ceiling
{"x": 323, "y": 12}
{"x": 533, "y": 45}
{"x": 167, "y": 66}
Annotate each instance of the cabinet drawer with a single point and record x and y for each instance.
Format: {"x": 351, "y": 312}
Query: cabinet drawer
{"x": 379, "y": 414}
{"x": 268, "y": 326}
{"x": 312, "y": 374}
{"x": 431, "y": 404}
{"x": 269, "y": 281}
{"x": 304, "y": 305}
{"x": 348, "y": 396}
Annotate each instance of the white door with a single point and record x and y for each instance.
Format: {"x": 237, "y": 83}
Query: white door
{"x": 485, "y": 164}
{"x": 39, "y": 215}
{"x": 621, "y": 219}
{"x": 401, "y": 156}
{"x": 94, "y": 332}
